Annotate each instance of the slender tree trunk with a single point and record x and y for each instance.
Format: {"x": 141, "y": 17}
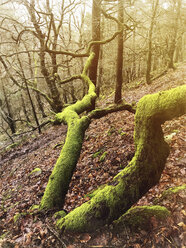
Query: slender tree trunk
{"x": 96, "y": 16}
{"x": 100, "y": 72}
{"x": 24, "y": 108}
{"x": 100, "y": 61}
{"x": 149, "y": 56}
{"x": 119, "y": 65}
{"x": 134, "y": 55}
{"x": 40, "y": 105}
{"x": 9, "y": 117}
{"x": 33, "y": 107}
{"x": 51, "y": 83}
{"x": 174, "y": 37}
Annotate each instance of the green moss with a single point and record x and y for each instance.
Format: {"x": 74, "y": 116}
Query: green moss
{"x": 96, "y": 154}
{"x": 4, "y": 235}
{"x": 17, "y": 216}
{"x": 121, "y": 132}
{"x": 174, "y": 190}
{"x": 140, "y": 217}
{"x": 59, "y": 145}
{"x": 34, "y": 207}
{"x": 94, "y": 192}
{"x": 111, "y": 131}
{"x": 102, "y": 158}
{"x": 167, "y": 194}
{"x": 60, "y": 214}
{"x": 60, "y": 178}
{"x": 35, "y": 172}
{"x": 74, "y": 223}
{"x": 12, "y": 146}
{"x": 143, "y": 171}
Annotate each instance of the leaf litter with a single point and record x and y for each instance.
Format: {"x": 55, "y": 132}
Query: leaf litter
{"x": 111, "y": 136}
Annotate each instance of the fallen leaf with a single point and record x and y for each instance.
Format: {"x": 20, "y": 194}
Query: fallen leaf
{"x": 181, "y": 224}
{"x": 85, "y": 238}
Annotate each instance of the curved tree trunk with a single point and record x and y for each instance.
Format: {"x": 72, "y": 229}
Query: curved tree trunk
{"x": 60, "y": 178}
{"x": 144, "y": 170}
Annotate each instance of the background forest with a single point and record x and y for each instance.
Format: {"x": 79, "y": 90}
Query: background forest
{"x": 87, "y": 64}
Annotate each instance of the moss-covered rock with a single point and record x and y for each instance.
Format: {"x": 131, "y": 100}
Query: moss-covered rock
{"x": 140, "y": 217}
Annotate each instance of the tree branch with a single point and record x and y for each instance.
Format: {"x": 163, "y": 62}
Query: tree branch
{"x": 70, "y": 79}
{"x": 99, "y": 113}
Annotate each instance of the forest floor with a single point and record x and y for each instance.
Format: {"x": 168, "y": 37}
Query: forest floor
{"x": 107, "y": 149}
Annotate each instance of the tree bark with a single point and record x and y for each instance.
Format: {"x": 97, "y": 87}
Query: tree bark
{"x": 119, "y": 66}
{"x": 142, "y": 173}
{"x": 174, "y": 36}
{"x": 96, "y": 16}
{"x": 9, "y": 116}
{"x": 149, "y": 56}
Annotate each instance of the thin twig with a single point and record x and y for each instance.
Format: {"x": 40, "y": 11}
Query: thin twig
{"x": 56, "y": 235}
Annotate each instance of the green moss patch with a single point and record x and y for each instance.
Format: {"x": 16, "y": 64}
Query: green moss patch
{"x": 98, "y": 153}
{"x": 17, "y": 216}
{"x": 60, "y": 214}
{"x": 35, "y": 172}
{"x": 102, "y": 158}
{"x": 12, "y": 146}
{"x": 169, "y": 193}
{"x": 141, "y": 217}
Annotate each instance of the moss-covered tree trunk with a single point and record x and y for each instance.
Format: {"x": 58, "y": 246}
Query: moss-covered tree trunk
{"x": 144, "y": 170}
{"x": 60, "y": 178}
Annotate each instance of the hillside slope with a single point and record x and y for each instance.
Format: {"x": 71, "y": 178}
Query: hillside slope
{"x": 107, "y": 148}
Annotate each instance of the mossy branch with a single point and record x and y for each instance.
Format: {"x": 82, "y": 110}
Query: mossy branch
{"x": 99, "y": 113}
{"x": 82, "y": 105}
{"x": 60, "y": 178}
